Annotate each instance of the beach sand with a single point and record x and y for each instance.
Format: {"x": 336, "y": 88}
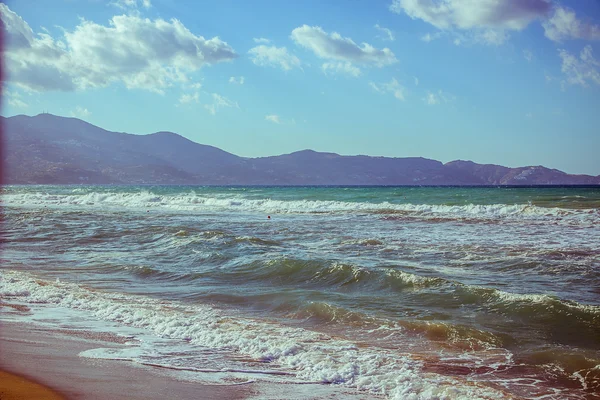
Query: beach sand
{"x": 41, "y": 363}
{"x": 15, "y": 387}
{"x": 49, "y": 359}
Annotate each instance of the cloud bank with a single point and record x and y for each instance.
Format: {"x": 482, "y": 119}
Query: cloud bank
{"x": 138, "y": 52}
{"x": 490, "y": 20}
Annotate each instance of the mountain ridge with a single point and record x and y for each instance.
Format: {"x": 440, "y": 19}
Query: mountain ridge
{"x": 50, "y": 149}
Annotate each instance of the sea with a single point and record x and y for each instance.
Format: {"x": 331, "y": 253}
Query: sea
{"x": 388, "y": 292}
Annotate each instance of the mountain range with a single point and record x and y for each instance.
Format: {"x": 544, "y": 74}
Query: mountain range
{"x": 49, "y": 149}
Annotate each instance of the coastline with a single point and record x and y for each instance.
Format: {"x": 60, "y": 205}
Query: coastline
{"x": 395, "y": 292}
{"x": 39, "y": 362}
{"x": 44, "y": 363}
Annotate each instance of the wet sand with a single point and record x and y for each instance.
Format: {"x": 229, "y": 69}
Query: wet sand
{"x": 50, "y": 362}
{"x": 36, "y": 361}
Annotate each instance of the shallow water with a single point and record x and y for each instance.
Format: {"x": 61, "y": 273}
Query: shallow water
{"x": 456, "y": 292}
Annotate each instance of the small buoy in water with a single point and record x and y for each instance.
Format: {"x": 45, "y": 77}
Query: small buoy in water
{"x": 147, "y": 210}
{"x": 268, "y": 217}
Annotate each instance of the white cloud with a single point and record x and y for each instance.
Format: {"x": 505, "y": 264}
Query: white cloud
{"x": 277, "y": 119}
{"x": 131, "y": 4}
{"x": 261, "y": 40}
{"x": 393, "y": 87}
{"x": 188, "y": 98}
{"x": 387, "y": 33}
{"x": 564, "y": 24}
{"x": 274, "y": 57}
{"x": 335, "y": 47}
{"x": 457, "y": 42}
{"x": 432, "y": 99}
{"x": 468, "y": 14}
{"x": 528, "y": 55}
{"x": 582, "y": 70}
{"x": 490, "y": 21}
{"x": 341, "y": 68}
{"x": 80, "y": 112}
{"x": 218, "y": 103}
{"x": 17, "y": 103}
{"x": 196, "y": 85}
{"x": 142, "y": 53}
{"x": 431, "y": 37}
{"x": 549, "y": 78}
{"x": 14, "y": 99}
{"x": 137, "y": 52}
{"x": 491, "y": 36}
{"x": 124, "y": 4}
{"x": 489, "y": 18}
{"x": 273, "y": 118}
{"x": 416, "y": 81}
{"x": 33, "y": 63}
{"x": 237, "y": 81}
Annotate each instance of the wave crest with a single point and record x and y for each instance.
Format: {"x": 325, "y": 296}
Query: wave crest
{"x": 144, "y": 200}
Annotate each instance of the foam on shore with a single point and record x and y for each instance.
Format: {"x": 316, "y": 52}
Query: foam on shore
{"x": 308, "y": 355}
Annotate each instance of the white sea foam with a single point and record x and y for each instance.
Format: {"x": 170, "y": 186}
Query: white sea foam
{"x": 519, "y": 299}
{"x": 412, "y": 279}
{"x": 193, "y": 202}
{"x": 310, "y": 356}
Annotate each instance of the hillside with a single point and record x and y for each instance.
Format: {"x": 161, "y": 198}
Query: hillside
{"x": 48, "y": 149}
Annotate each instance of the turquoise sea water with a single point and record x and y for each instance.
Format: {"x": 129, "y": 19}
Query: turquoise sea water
{"x": 429, "y": 292}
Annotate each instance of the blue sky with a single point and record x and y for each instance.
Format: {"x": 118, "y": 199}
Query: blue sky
{"x": 508, "y": 82}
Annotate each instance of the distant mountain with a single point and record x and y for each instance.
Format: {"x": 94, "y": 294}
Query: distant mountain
{"x": 49, "y": 149}
{"x": 490, "y": 174}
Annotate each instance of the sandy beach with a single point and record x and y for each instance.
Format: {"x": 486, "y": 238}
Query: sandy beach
{"x": 42, "y": 364}
{"x": 15, "y": 387}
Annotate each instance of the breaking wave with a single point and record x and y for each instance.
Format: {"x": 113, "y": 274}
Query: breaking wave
{"x": 308, "y": 355}
{"x": 192, "y": 202}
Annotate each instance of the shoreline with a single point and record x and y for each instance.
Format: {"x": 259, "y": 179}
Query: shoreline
{"x": 39, "y": 359}
{"x": 36, "y": 360}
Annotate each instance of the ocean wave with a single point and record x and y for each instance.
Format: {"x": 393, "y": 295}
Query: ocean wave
{"x": 560, "y": 320}
{"x": 457, "y": 336}
{"x": 314, "y": 273}
{"x": 290, "y": 271}
{"x": 309, "y": 355}
{"x": 327, "y": 313}
{"x": 547, "y": 311}
{"x": 192, "y": 202}
{"x": 143, "y": 271}
{"x": 454, "y": 337}
{"x": 530, "y": 302}
{"x": 399, "y": 279}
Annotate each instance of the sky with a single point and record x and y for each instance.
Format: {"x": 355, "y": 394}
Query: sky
{"x": 509, "y": 82}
